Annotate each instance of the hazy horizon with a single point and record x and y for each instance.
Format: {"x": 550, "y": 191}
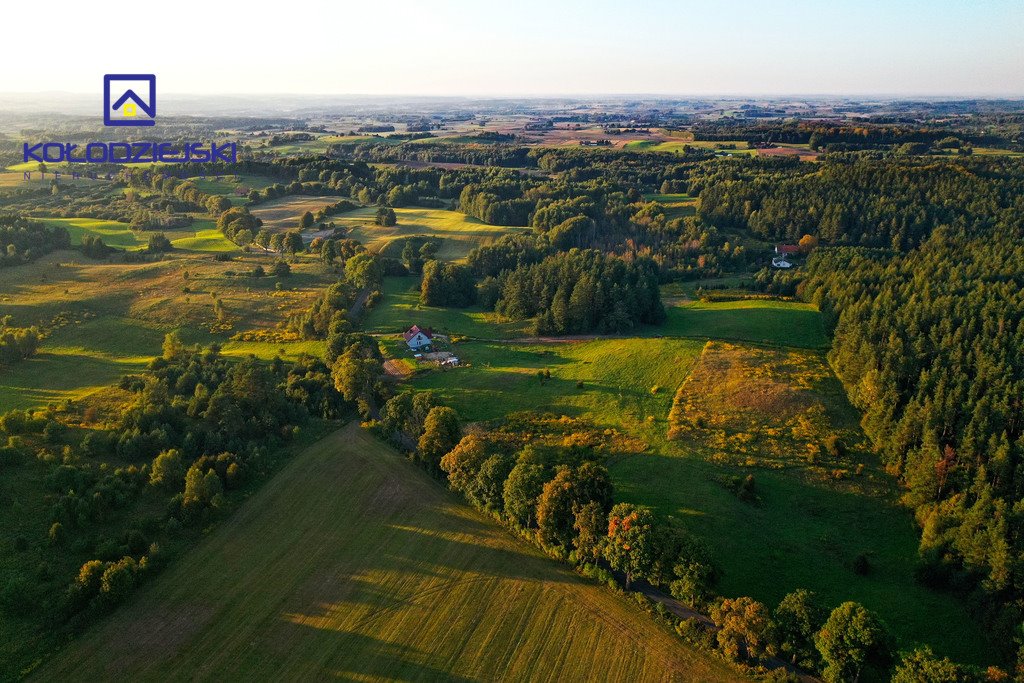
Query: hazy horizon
{"x": 946, "y": 48}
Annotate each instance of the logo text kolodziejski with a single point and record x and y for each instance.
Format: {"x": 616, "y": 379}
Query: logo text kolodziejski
{"x": 126, "y": 106}
{"x": 130, "y": 152}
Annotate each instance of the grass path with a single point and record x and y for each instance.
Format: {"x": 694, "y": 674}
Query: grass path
{"x": 352, "y": 564}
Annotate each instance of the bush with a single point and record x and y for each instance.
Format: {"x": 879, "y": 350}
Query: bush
{"x": 118, "y": 580}
{"x": 696, "y": 633}
{"x": 16, "y": 596}
{"x": 173, "y": 526}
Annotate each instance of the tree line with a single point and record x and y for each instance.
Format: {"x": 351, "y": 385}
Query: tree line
{"x": 23, "y": 240}
{"x": 927, "y": 344}
{"x": 563, "y": 500}
{"x": 196, "y": 428}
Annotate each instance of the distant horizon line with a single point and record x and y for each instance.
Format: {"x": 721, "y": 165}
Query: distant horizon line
{"x": 586, "y": 95}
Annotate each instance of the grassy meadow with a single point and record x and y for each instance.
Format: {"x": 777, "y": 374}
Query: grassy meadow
{"x": 762, "y": 321}
{"x": 677, "y": 205}
{"x": 353, "y": 564}
{"x": 734, "y": 147}
{"x": 113, "y": 233}
{"x": 202, "y": 235}
{"x": 104, "y": 319}
{"x": 234, "y": 187}
{"x": 617, "y": 375}
{"x": 401, "y": 309}
{"x": 456, "y": 233}
{"x": 806, "y": 527}
{"x": 284, "y": 213}
{"x": 767, "y": 407}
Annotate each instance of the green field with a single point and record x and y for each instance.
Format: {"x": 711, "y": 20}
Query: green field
{"x": 227, "y": 185}
{"x": 284, "y": 213}
{"x": 79, "y": 360}
{"x": 202, "y": 235}
{"x": 105, "y": 319}
{"x": 669, "y": 198}
{"x": 617, "y": 374}
{"x": 318, "y": 146}
{"x": 456, "y": 232}
{"x": 113, "y": 233}
{"x": 805, "y": 533}
{"x": 352, "y": 564}
{"x": 678, "y": 145}
{"x": 676, "y": 205}
{"x": 764, "y": 321}
{"x": 400, "y": 309}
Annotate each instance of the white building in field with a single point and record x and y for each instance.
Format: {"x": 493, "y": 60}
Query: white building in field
{"x": 418, "y": 338}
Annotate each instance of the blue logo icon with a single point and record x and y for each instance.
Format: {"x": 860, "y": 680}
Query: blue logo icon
{"x": 129, "y": 100}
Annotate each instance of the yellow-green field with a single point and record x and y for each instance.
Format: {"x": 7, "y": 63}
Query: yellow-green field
{"x": 284, "y": 213}
{"x": 352, "y": 564}
{"x": 230, "y": 185}
{"x": 202, "y": 235}
{"x": 676, "y": 205}
{"x": 318, "y": 146}
{"x": 764, "y": 321}
{"x": 806, "y": 528}
{"x": 113, "y": 233}
{"x": 767, "y": 407}
{"x": 107, "y": 318}
{"x": 732, "y": 147}
{"x": 458, "y": 233}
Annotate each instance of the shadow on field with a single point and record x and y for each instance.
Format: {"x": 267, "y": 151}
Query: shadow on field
{"x": 804, "y": 533}
{"x": 370, "y": 658}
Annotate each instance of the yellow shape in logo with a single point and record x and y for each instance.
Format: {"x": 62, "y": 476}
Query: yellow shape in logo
{"x": 128, "y": 109}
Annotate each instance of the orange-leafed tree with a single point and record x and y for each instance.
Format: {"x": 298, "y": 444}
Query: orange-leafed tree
{"x": 630, "y": 545}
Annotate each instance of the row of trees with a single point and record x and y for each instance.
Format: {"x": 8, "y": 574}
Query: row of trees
{"x": 564, "y": 501}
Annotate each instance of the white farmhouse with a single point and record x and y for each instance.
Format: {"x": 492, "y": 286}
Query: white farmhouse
{"x": 418, "y": 338}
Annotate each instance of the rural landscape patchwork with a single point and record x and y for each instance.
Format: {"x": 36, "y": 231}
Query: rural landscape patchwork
{"x": 511, "y": 384}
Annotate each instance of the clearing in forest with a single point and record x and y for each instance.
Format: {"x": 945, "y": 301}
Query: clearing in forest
{"x": 765, "y": 407}
{"x": 456, "y": 233}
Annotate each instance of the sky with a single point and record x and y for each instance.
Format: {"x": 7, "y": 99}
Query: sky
{"x": 526, "y": 47}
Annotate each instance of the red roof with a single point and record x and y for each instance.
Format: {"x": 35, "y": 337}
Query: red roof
{"x": 788, "y": 249}
{"x": 415, "y": 329}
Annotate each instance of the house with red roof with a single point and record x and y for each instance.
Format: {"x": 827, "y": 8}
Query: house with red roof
{"x": 787, "y": 249}
{"x": 418, "y": 338}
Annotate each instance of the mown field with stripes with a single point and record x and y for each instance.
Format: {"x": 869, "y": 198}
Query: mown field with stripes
{"x": 353, "y": 564}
